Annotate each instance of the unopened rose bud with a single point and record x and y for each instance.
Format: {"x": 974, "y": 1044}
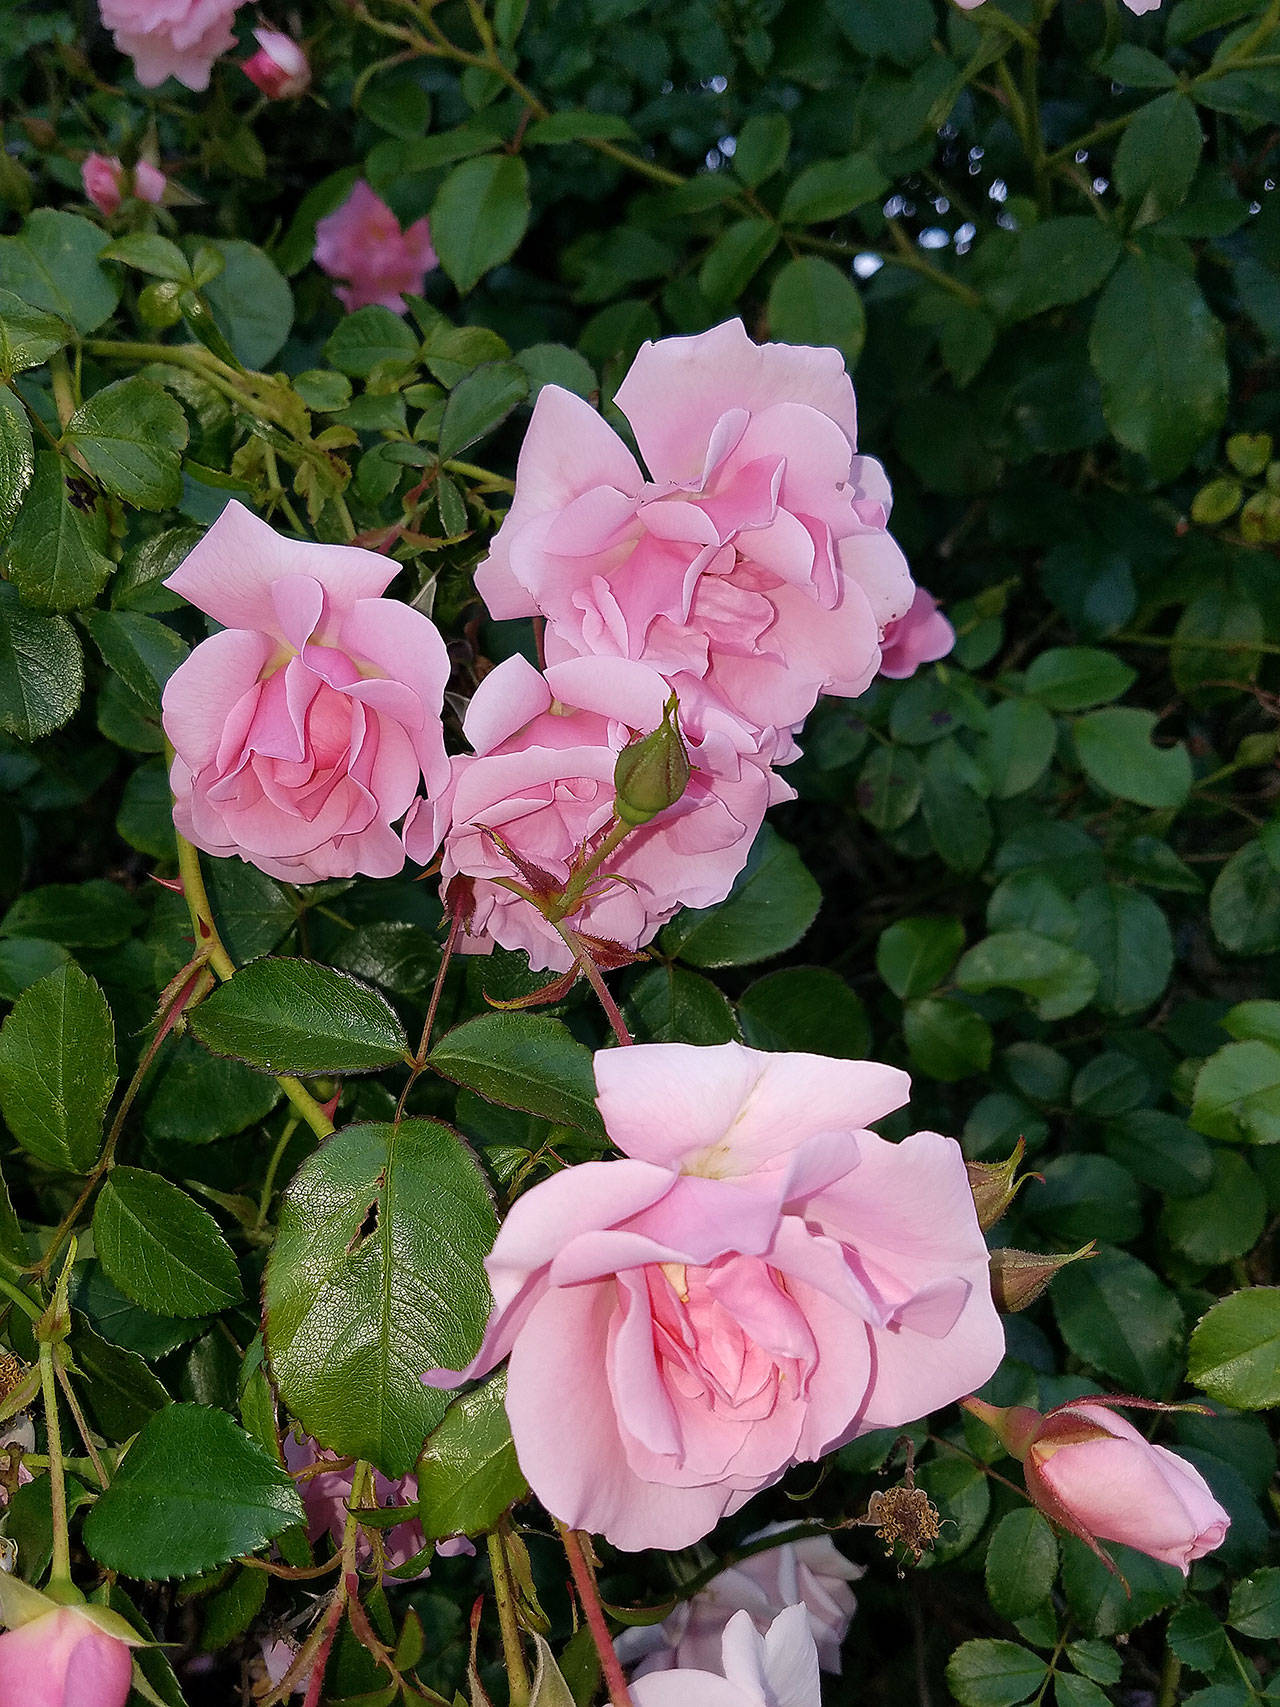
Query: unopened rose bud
{"x": 158, "y": 304}
{"x": 652, "y": 773}
{"x": 106, "y": 183}
{"x": 280, "y": 68}
{"x": 65, "y": 1657}
{"x": 995, "y": 1185}
{"x": 1018, "y": 1278}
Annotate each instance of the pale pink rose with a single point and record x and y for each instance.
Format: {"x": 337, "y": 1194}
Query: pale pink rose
{"x": 171, "y": 38}
{"x": 106, "y": 183}
{"x": 277, "y": 1654}
{"x": 774, "y": 1668}
{"x": 752, "y": 567}
{"x": 362, "y": 243}
{"x": 63, "y": 1658}
{"x": 280, "y": 68}
{"x": 541, "y": 777}
{"x": 813, "y": 1572}
{"x": 305, "y": 728}
{"x": 325, "y": 1497}
{"x": 757, "y": 1282}
{"x": 922, "y": 636}
{"x": 1091, "y": 1471}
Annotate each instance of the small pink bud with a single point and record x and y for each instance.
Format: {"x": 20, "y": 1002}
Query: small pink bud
{"x": 280, "y": 67}
{"x": 106, "y": 183}
{"x": 64, "y": 1658}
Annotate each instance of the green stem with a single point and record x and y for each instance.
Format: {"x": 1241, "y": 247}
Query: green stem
{"x": 1169, "y": 1678}
{"x": 268, "y": 1184}
{"x": 73, "y": 1403}
{"x": 61, "y": 1569}
{"x": 20, "y": 1299}
{"x": 574, "y": 890}
{"x": 512, "y": 1647}
{"x": 485, "y": 476}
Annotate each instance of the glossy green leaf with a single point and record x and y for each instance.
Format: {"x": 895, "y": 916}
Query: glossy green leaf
{"x": 994, "y": 1674}
{"x": 1056, "y": 980}
{"x": 947, "y": 1038}
{"x": 28, "y": 336}
{"x": 1115, "y": 747}
{"x": 131, "y": 435}
{"x": 56, "y": 550}
{"x": 1235, "y": 1349}
{"x": 773, "y": 902}
{"x": 524, "y": 1061}
{"x": 1237, "y": 1094}
{"x": 1118, "y": 1317}
{"x": 479, "y": 403}
{"x": 41, "y": 669}
{"x": 297, "y": 1016}
{"x": 468, "y": 1474}
{"x": 1244, "y": 903}
{"x": 479, "y": 216}
{"x": 161, "y": 1248}
{"x": 1022, "y": 1563}
{"x": 915, "y": 955}
{"x": 17, "y": 457}
{"x": 670, "y": 1004}
{"x": 58, "y": 1069}
{"x": 807, "y": 1008}
{"x": 812, "y": 302}
{"x": 1157, "y": 157}
{"x": 53, "y": 264}
{"x": 1074, "y": 678}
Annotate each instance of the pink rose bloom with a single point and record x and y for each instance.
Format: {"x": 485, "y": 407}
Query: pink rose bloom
{"x": 813, "y": 1572}
{"x": 280, "y": 68}
{"x": 1092, "y": 1472}
{"x": 64, "y": 1658}
{"x": 541, "y": 777}
{"x": 325, "y": 1496}
{"x": 922, "y": 636}
{"x": 752, "y": 568}
{"x": 304, "y": 729}
{"x": 106, "y": 183}
{"x": 776, "y": 1668}
{"x": 171, "y": 38}
{"x": 757, "y": 1282}
{"x": 362, "y": 243}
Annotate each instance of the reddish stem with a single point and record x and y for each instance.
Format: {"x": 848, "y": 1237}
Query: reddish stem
{"x": 589, "y": 1596}
{"x": 420, "y": 1059}
{"x": 595, "y": 978}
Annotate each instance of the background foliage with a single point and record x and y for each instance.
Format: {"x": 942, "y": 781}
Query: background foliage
{"x": 1043, "y": 875}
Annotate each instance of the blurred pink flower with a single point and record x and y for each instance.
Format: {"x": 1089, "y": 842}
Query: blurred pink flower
{"x": 171, "y": 38}
{"x": 757, "y": 1281}
{"x": 325, "y": 1495}
{"x": 922, "y": 636}
{"x": 362, "y": 243}
{"x": 541, "y": 777}
{"x": 776, "y": 1668}
{"x": 280, "y": 68}
{"x": 306, "y": 727}
{"x": 751, "y": 568}
{"x": 106, "y": 183}
{"x": 64, "y": 1658}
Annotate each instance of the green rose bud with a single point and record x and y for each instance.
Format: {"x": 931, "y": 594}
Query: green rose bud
{"x": 158, "y": 305}
{"x": 653, "y": 772}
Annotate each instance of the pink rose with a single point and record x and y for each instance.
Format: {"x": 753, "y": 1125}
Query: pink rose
{"x": 65, "y": 1658}
{"x": 326, "y": 1494}
{"x": 106, "y": 183}
{"x": 922, "y": 636}
{"x": 757, "y": 1282}
{"x": 280, "y": 68}
{"x": 302, "y": 730}
{"x": 777, "y": 1668}
{"x": 362, "y": 243}
{"x": 752, "y": 568}
{"x": 813, "y": 1572}
{"x": 541, "y": 777}
{"x": 1092, "y": 1472}
{"x": 171, "y": 38}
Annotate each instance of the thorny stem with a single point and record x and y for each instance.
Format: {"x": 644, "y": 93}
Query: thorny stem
{"x": 73, "y": 1403}
{"x": 589, "y": 1596}
{"x": 512, "y": 1647}
{"x": 437, "y": 990}
{"x": 594, "y": 977}
{"x": 207, "y": 939}
{"x": 571, "y": 900}
{"x": 61, "y": 1569}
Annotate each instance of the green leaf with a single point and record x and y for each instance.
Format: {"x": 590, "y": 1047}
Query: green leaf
{"x": 53, "y": 263}
{"x": 251, "y": 301}
{"x": 193, "y": 1097}
{"x": 479, "y": 403}
{"x": 297, "y": 1016}
{"x": 150, "y": 253}
{"x": 369, "y": 337}
{"x": 1056, "y": 980}
{"x": 375, "y": 1277}
{"x": 131, "y": 436}
{"x": 558, "y": 128}
{"x": 889, "y": 787}
{"x": 1074, "y": 678}
{"x": 121, "y": 1390}
{"x": 143, "y": 651}
{"x": 1244, "y": 903}
{"x": 557, "y": 364}
{"x": 57, "y": 551}
{"x": 1071, "y": 1690}
{"x": 160, "y": 1248}
{"x": 1157, "y": 157}
{"x": 1017, "y": 746}
{"x": 121, "y": 1322}
{"x": 915, "y": 955}
{"x": 899, "y": 30}
{"x": 1127, "y": 937}
{"x": 58, "y": 1069}
{"x": 671, "y": 1005}
{"x": 97, "y": 914}
{"x": 813, "y": 302}
{"x": 480, "y": 216}
{"x": 28, "y": 336}
{"x": 735, "y": 257}
{"x": 1235, "y": 1349}
{"x": 809, "y": 1008}
{"x": 829, "y": 189}
{"x": 1153, "y": 339}
{"x": 1107, "y": 1604}
{"x": 947, "y": 1038}
{"x": 1196, "y": 1637}
{"x": 1117, "y": 1316}
{"x": 253, "y": 913}
{"x": 41, "y": 669}
{"x": 1115, "y": 748}
{"x": 468, "y": 1474}
{"x": 524, "y": 1061}
{"x": 25, "y": 960}
{"x": 193, "y": 1492}
{"x": 1237, "y": 1094}
{"x": 1223, "y": 617}
{"x": 1161, "y": 1151}
{"x": 773, "y": 902}
{"x": 956, "y": 817}
{"x": 1022, "y": 1562}
{"x": 1052, "y": 263}
{"x": 1255, "y": 1605}
{"x": 994, "y": 1674}
{"x": 1222, "y": 1223}
{"x": 763, "y": 144}
{"x": 17, "y": 457}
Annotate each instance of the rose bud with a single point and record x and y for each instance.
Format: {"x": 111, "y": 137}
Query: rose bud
{"x": 652, "y": 773}
{"x": 1091, "y": 1472}
{"x": 995, "y": 1185}
{"x": 280, "y": 68}
{"x": 67, "y": 1656}
{"x": 1018, "y": 1278}
{"x": 106, "y": 183}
